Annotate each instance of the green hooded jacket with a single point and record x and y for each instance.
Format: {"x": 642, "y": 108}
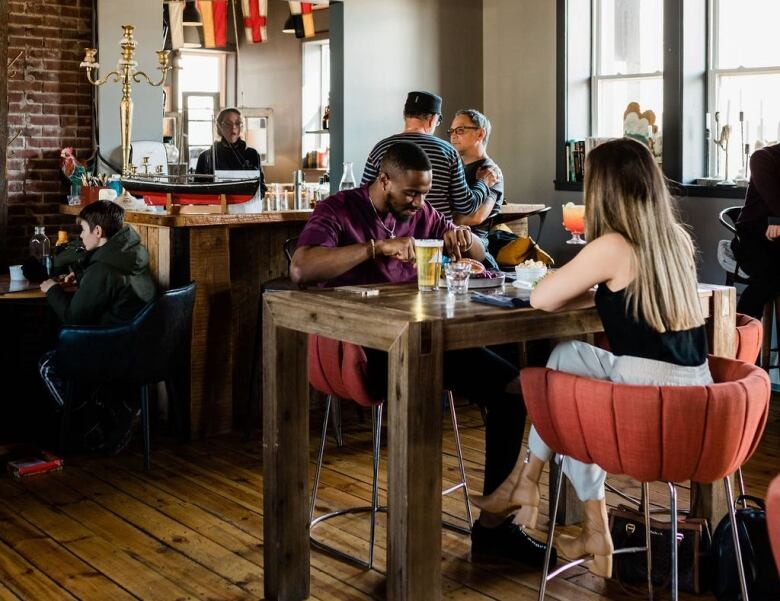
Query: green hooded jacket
{"x": 114, "y": 284}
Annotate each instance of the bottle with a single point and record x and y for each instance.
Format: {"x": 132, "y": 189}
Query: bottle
{"x": 62, "y": 242}
{"x": 326, "y": 118}
{"x": 40, "y": 247}
{"x": 297, "y": 185}
{"x": 347, "y": 178}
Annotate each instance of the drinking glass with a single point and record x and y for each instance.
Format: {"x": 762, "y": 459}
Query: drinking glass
{"x": 457, "y": 275}
{"x": 277, "y": 201}
{"x": 428, "y": 257}
{"x": 574, "y": 222}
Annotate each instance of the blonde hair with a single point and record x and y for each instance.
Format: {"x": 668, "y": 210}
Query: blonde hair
{"x": 626, "y": 193}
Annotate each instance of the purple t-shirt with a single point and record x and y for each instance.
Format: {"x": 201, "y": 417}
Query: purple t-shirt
{"x": 348, "y": 218}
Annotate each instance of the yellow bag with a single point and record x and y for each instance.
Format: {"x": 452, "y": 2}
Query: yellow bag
{"x": 522, "y": 249}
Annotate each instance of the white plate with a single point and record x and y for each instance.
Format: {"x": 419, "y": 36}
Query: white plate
{"x": 476, "y": 283}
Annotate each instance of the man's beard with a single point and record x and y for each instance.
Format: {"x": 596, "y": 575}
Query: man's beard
{"x": 397, "y": 214}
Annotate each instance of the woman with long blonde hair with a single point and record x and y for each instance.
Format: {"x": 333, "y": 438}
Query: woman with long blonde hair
{"x": 641, "y": 261}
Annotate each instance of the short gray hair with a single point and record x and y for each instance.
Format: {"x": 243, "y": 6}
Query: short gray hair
{"x": 477, "y": 119}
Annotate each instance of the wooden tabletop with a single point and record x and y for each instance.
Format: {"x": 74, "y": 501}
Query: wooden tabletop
{"x": 204, "y": 220}
{"x": 509, "y": 212}
{"x": 415, "y": 329}
{"x": 7, "y": 289}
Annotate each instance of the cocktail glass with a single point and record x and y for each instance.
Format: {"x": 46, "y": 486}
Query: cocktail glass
{"x": 574, "y": 222}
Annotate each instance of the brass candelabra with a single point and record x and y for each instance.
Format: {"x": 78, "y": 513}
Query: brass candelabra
{"x": 126, "y": 72}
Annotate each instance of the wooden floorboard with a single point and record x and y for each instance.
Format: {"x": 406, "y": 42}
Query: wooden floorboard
{"x": 192, "y": 527}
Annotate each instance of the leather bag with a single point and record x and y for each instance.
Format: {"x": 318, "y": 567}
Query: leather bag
{"x": 627, "y": 527}
{"x": 763, "y": 583}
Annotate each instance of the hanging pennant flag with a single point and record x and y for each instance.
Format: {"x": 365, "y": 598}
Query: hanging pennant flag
{"x": 255, "y": 20}
{"x": 303, "y": 19}
{"x": 213, "y": 13}
{"x": 176, "y": 23}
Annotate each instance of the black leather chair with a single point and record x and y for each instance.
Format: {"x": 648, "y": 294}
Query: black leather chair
{"x": 145, "y": 351}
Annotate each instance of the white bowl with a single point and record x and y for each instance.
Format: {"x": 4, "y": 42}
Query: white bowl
{"x": 529, "y": 275}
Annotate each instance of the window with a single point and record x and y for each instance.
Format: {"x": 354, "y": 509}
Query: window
{"x": 200, "y": 93}
{"x": 316, "y": 94}
{"x": 744, "y": 83}
{"x": 627, "y": 62}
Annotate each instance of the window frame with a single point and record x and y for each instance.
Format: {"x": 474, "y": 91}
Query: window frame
{"x": 596, "y": 76}
{"x": 714, "y": 72}
{"x": 686, "y": 91}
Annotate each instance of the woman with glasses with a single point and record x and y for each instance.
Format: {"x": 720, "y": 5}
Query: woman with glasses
{"x": 469, "y": 135}
{"x": 230, "y": 152}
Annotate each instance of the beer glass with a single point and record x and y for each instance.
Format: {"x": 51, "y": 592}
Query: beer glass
{"x": 428, "y": 256}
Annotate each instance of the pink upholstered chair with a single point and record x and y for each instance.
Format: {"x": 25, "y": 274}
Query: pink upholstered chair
{"x": 338, "y": 370}
{"x": 773, "y": 517}
{"x": 650, "y": 433}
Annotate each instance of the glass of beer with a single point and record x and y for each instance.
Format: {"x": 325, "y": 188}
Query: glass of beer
{"x": 428, "y": 255}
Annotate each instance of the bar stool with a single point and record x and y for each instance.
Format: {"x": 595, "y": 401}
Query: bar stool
{"x": 773, "y": 517}
{"x": 338, "y": 369}
{"x": 652, "y": 433}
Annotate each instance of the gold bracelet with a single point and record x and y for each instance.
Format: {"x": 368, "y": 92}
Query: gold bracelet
{"x": 373, "y": 250}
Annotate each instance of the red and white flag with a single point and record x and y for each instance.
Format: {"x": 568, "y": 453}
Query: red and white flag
{"x": 255, "y": 20}
{"x": 213, "y": 13}
{"x": 303, "y": 18}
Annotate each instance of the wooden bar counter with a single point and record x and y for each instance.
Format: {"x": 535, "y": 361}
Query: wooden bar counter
{"x": 229, "y": 256}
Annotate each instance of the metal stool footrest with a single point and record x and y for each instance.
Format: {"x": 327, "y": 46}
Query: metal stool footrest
{"x": 333, "y": 550}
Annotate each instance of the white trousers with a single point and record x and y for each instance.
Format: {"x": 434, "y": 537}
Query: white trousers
{"x": 583, "y": 359}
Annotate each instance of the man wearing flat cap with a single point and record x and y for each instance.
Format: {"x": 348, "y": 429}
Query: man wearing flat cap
{"x": 450, "y": 194}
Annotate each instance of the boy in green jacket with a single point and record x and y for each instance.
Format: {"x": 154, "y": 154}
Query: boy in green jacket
{"x": 113, "y": 276}
{"x": 114, "y": 284}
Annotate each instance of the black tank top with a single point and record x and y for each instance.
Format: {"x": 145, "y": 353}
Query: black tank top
{"x": 628, "y": 336}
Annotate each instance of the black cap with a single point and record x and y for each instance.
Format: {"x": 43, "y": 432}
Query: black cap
{"x": 422, "y": 103}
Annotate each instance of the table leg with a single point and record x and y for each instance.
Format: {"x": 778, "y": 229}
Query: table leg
{"x": 708, "y": 500}
{"x": 285, "y": 463}
{"x": 414, "y": 471}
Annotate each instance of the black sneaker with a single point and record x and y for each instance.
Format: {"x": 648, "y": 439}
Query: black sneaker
{"x": 509, "y": 541}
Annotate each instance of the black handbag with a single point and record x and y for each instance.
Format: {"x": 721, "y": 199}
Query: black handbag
{"x": 627, "y": 527}
{"x": 763, "y": 583}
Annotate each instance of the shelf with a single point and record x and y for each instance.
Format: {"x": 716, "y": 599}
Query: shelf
{"x": 318, "y": 131}
{"x": 321, "y": 169}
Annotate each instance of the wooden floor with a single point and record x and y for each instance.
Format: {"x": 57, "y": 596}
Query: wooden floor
{"x": 192, "y": 528}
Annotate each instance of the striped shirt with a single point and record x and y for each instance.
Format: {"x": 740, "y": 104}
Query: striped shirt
{"x": 449, "y": 192}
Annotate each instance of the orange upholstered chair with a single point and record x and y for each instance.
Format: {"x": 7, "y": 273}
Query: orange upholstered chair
{"x": 339, "y": 370}
{"x": 651, "y": 433}
{"x": 773, "y": 517}
{"x": 750, "y": 334}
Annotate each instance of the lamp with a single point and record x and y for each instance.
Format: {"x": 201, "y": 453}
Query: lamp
{"x": 289, "y": 25}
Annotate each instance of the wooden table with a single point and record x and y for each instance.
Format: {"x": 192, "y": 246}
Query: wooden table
{"x": 415, "y": 329}
{"x": 33, "y": 293}
{"x": 228, "y": 256}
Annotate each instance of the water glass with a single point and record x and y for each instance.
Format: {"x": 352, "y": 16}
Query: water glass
{"x": 457, "y": 275}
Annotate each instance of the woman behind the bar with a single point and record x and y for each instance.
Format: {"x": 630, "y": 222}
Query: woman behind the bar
{"x": 641, "y": 259}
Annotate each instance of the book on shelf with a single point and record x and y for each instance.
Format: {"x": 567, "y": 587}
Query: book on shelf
{"x": 576, "y": 151}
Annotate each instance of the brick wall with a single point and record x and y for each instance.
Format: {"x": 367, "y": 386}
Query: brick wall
{"x": 50, "y": 106}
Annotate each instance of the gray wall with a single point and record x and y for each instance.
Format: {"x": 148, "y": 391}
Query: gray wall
{"x": 390, "y": 48}
{"x": 147, "y": 100}
{"x": 520, "y": 94}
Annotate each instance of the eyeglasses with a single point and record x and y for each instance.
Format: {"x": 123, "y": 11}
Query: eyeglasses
{"x": 232, "y": 124}
{"x": 438, "y": 120}
{"x": 461, "y": 130}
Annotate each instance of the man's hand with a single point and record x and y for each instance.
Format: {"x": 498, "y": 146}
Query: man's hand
{"x": 398, "y": 248}
{"x": 490, "y": 175}
{"x": 69, "y": 280}
{"x": 458, "y": 241}
{"x": 773, "y": 232}
{"x": 47, "y": 284}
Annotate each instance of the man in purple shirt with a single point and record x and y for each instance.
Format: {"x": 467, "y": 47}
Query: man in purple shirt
{"x": 366, "y": 236}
